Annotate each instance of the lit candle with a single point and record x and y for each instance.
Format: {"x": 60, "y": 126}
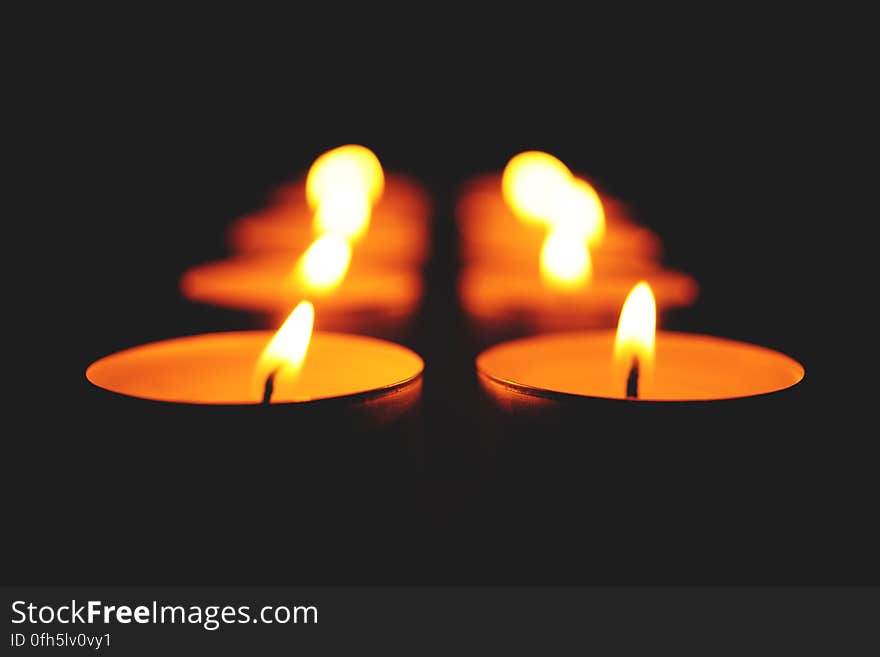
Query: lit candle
{"x": 345, "y": 192}
{"x": 661, "y": 455}
{"x": 364, "y": 299}
{"x": 632, "y": 364}
{"x": 293, "y": 368}
{"x": 544, "y": 252}
{"x": 504, "y": 219}
{"x": 376, "y": 297}
{"x": 570, "y": 291}
{"x": 203, "y": 430}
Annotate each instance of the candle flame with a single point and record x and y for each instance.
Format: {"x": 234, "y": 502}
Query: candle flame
{"x": 533, "y": 184}
{"x": 322, "y": 268}
{"x": 565, "y": 260}
{"x": 635, "y": 337}
{"x": 346, "y": 214}
{"x": 341, "y": 187}
{"x": 344, "y": 166}
{"x": 285, "y": 353}
{"x": 580, "y": 211}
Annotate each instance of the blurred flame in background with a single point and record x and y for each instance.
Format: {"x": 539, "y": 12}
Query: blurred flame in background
{"x": 579, "y": 211}
{"x": 341, "y": 187}
{"x": 565, "y": 260}
{"x": 532, "y": 183}
{"x": 345, "y": 215}
{"x": 322, "y": 268}
{"x": 540, "y": 189}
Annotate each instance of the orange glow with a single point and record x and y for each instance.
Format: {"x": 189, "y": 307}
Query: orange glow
{"x": 341, "y": 187}
{"x": 580, "y": 211}
{"x": 286, "y": 352}
{"x": 343, "y": 169}
{"x": 218, "y": 368}
{"x": 323, "y": 266}
{"x": 490, "y": 233}
{"x": 533, "y": 184}
{"x": 346, "y": 214}
{"x": 636, "y": 331}
{"x": 268, "y": 285}
{"x": 693, "y": 367}
{"x": 565, "y": 260}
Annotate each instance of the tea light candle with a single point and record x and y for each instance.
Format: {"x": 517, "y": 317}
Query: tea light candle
{"x": 329, "y": 419}
{"x": 545, "y": 252}
{"x": 634, "y": 364}
{"x": 689, "y": 443}
{"x": 361, "y": 299}
{"x": 496, "y": 300}
{"x": 251, "y": 368}
{"x": 398, "y": 232}
{"x": 490, "y": 231}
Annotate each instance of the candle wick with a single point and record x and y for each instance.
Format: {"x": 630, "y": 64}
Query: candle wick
{"x": 269, "y": 387}
{"x": 632, "y": 381}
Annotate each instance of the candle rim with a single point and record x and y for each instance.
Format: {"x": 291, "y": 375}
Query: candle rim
{"x": 547, "y": 393}
{"x": 361, "y": 396}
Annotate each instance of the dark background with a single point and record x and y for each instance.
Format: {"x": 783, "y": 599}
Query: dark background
{"x": 146, "y": 140}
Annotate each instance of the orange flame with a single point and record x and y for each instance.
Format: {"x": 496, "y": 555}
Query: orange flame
{"x": 345, "y": 167}
{"x": 343, "y": 214}
{"x": 580, "y": 211}
{"x": 322, "y": 268}
{"x": 565, "y": 260}
{"x": 341, "y": 187}
{"x": 533, "y": 184}
{"x": 285, "y": 353}
{"x": 635, "y": 337}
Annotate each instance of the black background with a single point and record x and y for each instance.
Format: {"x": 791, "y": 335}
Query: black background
{"x": 145, "y": 139}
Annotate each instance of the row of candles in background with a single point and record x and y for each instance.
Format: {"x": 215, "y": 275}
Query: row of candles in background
{"x": 347, "y": 238}
{"x": 541, "y": 249}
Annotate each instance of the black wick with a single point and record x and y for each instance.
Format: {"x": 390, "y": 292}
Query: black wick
{"x": 632, "y": 381}
{"x": 268, "y": 387}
